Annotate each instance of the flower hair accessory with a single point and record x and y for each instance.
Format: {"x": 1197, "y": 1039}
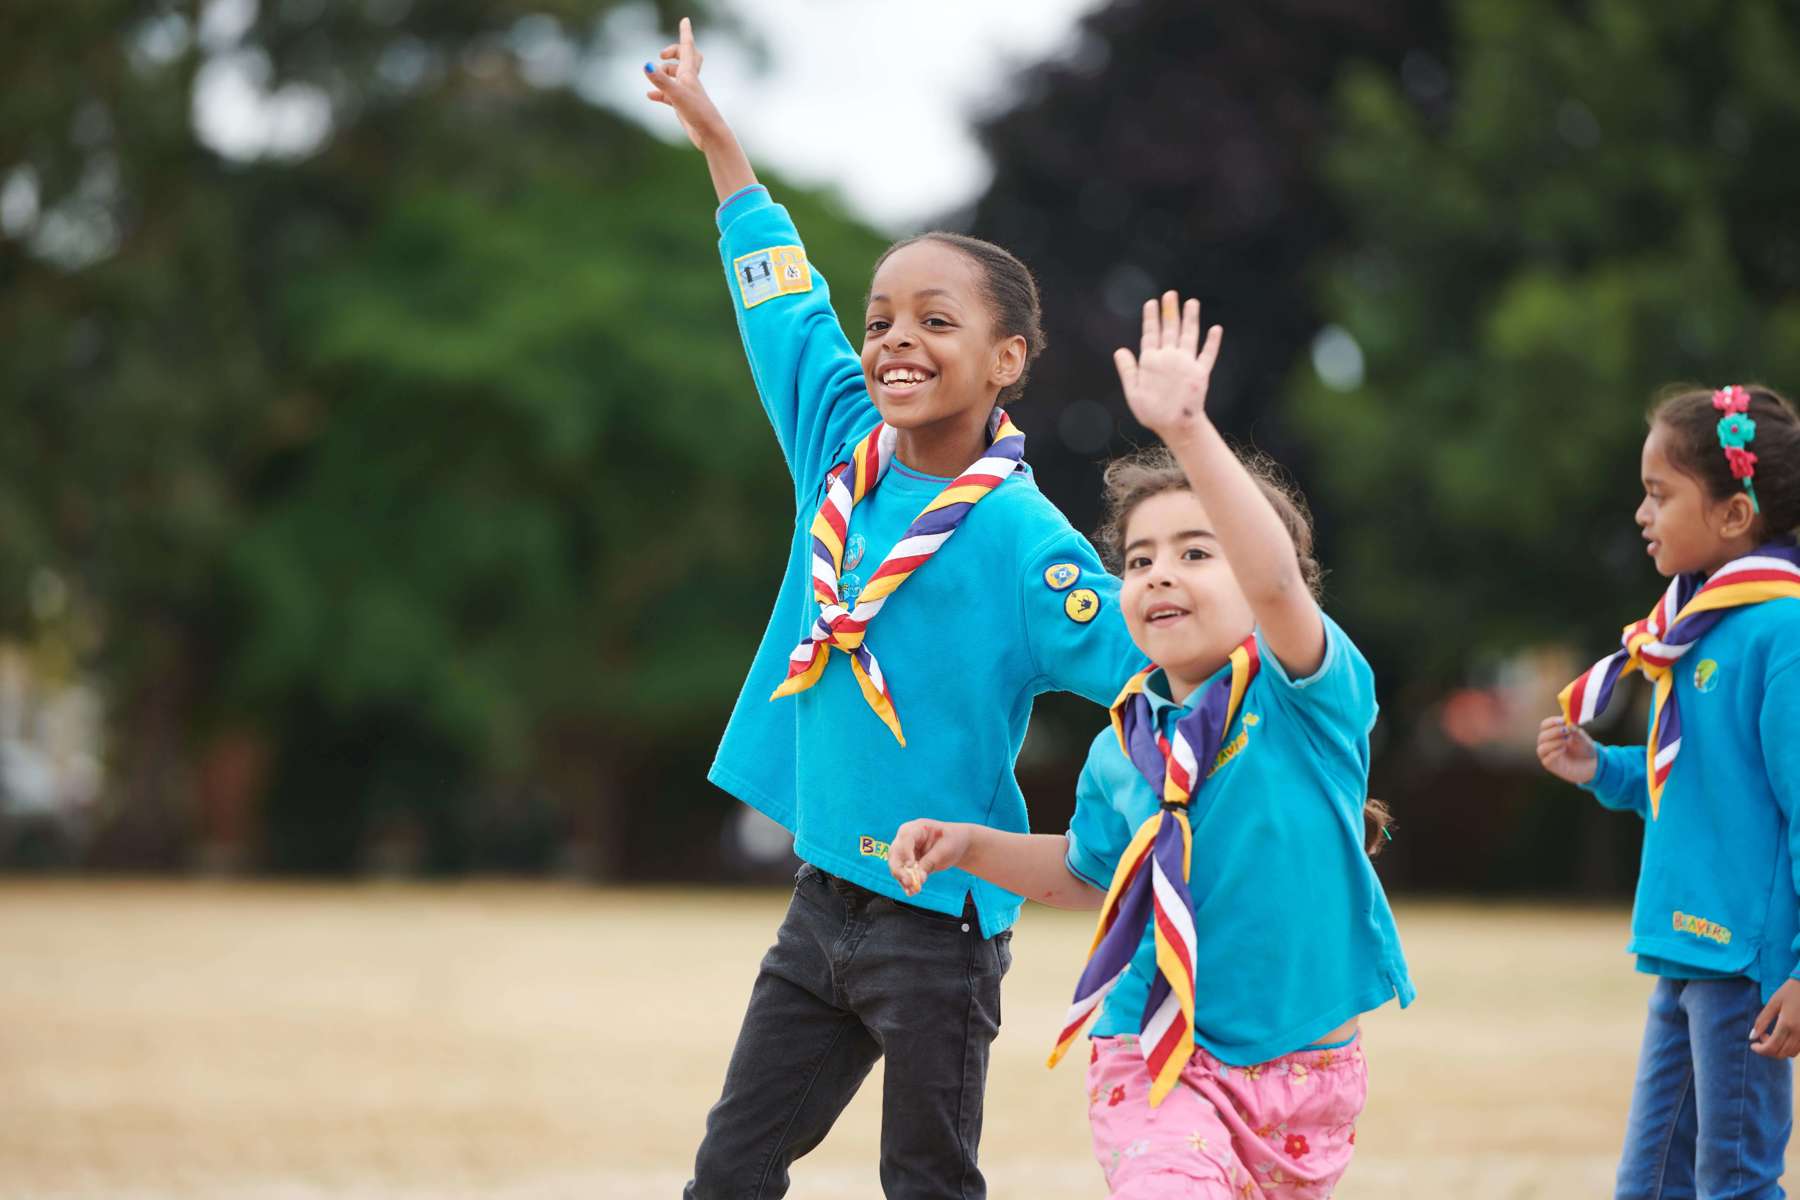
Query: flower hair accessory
{"x": 1736, "y": 431}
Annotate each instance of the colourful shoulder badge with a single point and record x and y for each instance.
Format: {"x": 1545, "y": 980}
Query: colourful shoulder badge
{"x": 1082, "y": 605}
{"x": 766, "y": 274}
{"x": 1061, "y": 575}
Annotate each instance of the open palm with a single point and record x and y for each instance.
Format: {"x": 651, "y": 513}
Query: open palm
{"x": 1165, "y": 384}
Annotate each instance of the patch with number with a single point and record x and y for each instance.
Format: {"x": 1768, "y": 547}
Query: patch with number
{"x": 1061, "y": 575}
{"x": 766, "y": 274}
{"x": 1082, "y": 605}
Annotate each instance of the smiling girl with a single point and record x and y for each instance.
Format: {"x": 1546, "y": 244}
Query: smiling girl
{"x": 930, "y": 593}
{"x": 1218, "y": 823}
{"x": 1717, "y": 916}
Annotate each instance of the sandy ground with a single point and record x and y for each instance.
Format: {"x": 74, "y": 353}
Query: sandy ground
{"x": 530, "y": 1042}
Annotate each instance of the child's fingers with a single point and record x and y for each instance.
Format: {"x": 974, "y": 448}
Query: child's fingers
{"x": 1190, "y": 328}
{"x": 1171, "y": 319}
{"x": 1770, "y": 1012}
{"x": 1127, "y": 365}
{"x": 1209, "y": 354}
{"x": 690, "y": 57}
{"x": 1152, "y": 335}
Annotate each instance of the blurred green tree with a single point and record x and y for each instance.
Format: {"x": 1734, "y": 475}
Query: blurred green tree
{"x": 1176, "y": 145}
{"x": 1581, "y": 204}
{"x": 1588, "y": 202}
{"x": 417, "y": 452}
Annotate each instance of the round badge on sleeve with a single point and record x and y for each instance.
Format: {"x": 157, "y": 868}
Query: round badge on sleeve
{"x": 1061, "y": 576}
{"x": 1082, "y": 605}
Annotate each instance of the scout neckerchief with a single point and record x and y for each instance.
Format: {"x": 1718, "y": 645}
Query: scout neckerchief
{"x": 1150, "y": 885}
{"x": 840, "y": 627}
{"x": 1687, "y": 610}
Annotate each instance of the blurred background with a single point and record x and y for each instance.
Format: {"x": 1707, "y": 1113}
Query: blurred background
{"x": 356, "y": 349}
{"x": 382, "y": 491}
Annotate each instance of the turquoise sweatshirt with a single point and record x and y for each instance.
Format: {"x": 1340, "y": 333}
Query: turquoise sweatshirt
{"x": 1717, "y": 890}
{"x": 1016, "y": 603}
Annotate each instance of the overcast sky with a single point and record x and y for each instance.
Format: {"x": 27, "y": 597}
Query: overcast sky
{"x": 872, "y": 98}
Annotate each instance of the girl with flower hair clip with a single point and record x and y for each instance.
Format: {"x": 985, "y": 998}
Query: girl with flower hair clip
{"x": 1717, "y": 783}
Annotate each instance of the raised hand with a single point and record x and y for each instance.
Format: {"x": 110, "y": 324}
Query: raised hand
{"x": 1566, "y": 752}
{"x": 1166, "y": 383}
{"x": 677, "y": 84}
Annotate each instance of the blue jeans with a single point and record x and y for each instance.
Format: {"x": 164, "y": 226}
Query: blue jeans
{"x": 1710, "y": 1117}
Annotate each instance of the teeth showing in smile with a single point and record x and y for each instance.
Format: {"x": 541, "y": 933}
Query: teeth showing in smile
{"x": 1164, "y": 614}
{"x": 897, "y": 375}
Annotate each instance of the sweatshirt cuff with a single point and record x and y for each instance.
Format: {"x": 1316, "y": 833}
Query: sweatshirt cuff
{"x": 745, "y": 199}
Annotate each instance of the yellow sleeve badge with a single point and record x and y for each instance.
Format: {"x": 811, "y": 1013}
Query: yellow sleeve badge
{"x": 1061, "y": 575}
{"x": 766, "y": 274}
{"x": 1082, "y": 605}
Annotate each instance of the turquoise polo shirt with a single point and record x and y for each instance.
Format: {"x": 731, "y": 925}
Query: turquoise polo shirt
{"x": 1014, "y": 604}
{"x": 1295, "y": 933}
{"x": 1717, "y": 891}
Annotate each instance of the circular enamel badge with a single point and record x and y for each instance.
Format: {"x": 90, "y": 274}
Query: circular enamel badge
{"x": 1706, "y": 675}
{"x": 853, "y": 552}
{"x": 1082, "y": 605}
{"x": 1061, "y": 575}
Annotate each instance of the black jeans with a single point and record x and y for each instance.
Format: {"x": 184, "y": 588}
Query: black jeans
{"x": 854, "y": 975}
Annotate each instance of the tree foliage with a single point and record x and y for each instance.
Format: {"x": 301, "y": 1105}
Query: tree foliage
{"x": 1591, "y": 202}
{"x": 425, "y": 454}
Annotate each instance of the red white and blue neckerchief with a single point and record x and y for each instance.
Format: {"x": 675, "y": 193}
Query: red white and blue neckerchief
{"x": 1692, "y": 605}
{"x": 842, "y": 627}
{"x": 1149, "y": 888}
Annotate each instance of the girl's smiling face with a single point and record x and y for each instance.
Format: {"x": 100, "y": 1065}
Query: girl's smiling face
{"x": 1182, "y": 603}
{"x": 929, "y": 353}
{"x": 1687, "y": 530}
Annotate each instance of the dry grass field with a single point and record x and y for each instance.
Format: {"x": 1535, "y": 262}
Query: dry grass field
{"x": 537, "y": 1042}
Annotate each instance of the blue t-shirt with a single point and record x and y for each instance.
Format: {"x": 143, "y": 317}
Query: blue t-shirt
{"x": 1718, "y": 894}
{"x": 1015, "y": 603}
{"x": 1295, "y": 933}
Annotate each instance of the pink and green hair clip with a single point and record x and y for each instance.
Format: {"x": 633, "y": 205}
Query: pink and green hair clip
{"x": 1736, "y": 431}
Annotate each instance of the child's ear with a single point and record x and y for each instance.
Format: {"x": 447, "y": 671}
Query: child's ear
{"x": 1009, "y": 361}
{"x": 1740, "y": 516}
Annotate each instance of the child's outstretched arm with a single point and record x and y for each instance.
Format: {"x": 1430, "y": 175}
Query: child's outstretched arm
{"x": 677, "y": 84}
{"x": 808, "y": 376}
{"x": 1165, "y": 385}
{"x": 1033, "y": 865}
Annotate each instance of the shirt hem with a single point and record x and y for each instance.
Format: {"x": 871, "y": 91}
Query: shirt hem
{"x": 872, "y": 873}
{"x": 1300, "y": 1037}
{"x": 729, "y": 781}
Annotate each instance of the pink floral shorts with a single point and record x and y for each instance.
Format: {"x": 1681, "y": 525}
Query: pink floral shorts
{"x": 1280, "y": 1130}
